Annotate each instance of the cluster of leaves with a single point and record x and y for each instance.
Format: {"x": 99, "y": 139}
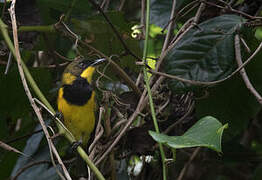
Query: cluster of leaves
{"x": 204, "y": 54}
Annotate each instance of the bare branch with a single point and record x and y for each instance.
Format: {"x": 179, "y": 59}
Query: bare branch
{"x": 212, "y": 82}
{"x": 28, "y": 93}
{"x": 10, "y": 148}
{"x": 114, "y": 29}
{"x": 182, "y": 173}
{"x": 228, "y": 7}
{"x": 243, "y": 71}
{"x": 123, "y": 130}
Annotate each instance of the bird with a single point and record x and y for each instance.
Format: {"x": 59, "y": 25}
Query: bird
{"x": 76, "y": 98}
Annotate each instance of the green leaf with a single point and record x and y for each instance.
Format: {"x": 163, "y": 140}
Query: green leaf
{"x": 205, "y": 53}
{"x": 231, "y": 101}
{"x": 207, "y": 132}
{"x": 160, "y": 11}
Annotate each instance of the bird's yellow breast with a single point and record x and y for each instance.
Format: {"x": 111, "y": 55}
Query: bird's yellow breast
{"x": 79, "y": 120}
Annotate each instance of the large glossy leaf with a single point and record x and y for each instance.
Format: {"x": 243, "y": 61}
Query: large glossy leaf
{"x": 207, "y": 132}
{"x": 205, "y": 53}
{"x": 231, "y": 101}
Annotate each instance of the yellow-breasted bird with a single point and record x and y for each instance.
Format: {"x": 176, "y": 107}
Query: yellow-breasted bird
{"x": 76, "y": 98}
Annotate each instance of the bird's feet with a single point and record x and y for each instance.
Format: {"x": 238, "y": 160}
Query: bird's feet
{"x": 75, "y": 145}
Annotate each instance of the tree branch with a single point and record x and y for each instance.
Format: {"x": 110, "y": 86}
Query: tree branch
{"x": 243, "y": 71}
{"x": 28, "y": 93}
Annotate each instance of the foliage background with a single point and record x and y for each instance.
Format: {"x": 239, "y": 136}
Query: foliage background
{"x": 46, "y": 52}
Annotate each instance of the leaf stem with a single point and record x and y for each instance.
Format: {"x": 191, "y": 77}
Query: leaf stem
{"x": 149, "y": 90}
{"x": 48, "y": 29}
{"x": 69, "y": 11}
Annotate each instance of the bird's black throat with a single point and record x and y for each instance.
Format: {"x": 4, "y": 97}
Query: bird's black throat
{"x": 78, "y": 93}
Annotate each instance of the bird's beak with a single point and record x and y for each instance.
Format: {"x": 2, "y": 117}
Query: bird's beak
{"x": 98, "y": 62}
{"x": 88, "y": 72}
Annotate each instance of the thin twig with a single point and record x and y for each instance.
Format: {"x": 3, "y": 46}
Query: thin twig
{"x": 98, "y": 132}
{"x": 108, "y": 129}
{"x": 26, "y": 167}
{"x": 188, "y": 11}
{"x": 114, "y": 29}
{"x": 53, "y": 115}
{"x": 62, "y": 57}
{"x": 170, "y": 27}
{"x": 243, "y": 71}
{"x": 24, "y": 136}
{"x": 28, "y": 93}
{"x": 3, "y": 29}
{"x": 20, "y": 171}
{"x": 167, "y": 39}
{"x": 138, "y": 79}
{"x": 228, "y": 7}
{"x": 190, "y": 109}
{"x": 10, "y": 148}
{"x": 142, "y": 24}
{"x": 211, "y": 82}
{"x": 142, "y": 18}
{"x": 9, "y": 62}
{"x": 114, "y": 65}
{"x": 123, "y": 130}
{"x": 182, "y": 173}
{"x": 122, "y": 3}
{"x": 186, "y": 27}
{"x": 55, "y": 65}
{"x": 245, "y": 45}
{"x": 79, "y": 148}
{"x": 178, "y": 14}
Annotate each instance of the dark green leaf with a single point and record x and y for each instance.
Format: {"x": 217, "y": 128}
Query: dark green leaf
{"x": 205, "y": 53}
{"x": 231, "y": 101}
{"x": 207, "y": 132}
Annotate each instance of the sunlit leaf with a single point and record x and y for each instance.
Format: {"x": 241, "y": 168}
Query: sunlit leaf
{"x": 207, "y": 132}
